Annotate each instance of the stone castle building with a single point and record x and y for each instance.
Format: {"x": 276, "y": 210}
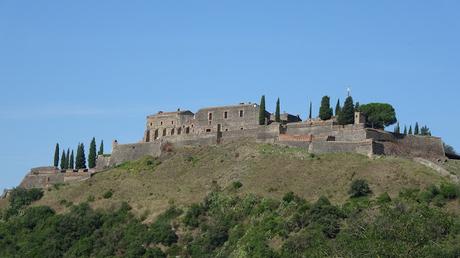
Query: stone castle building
{"x": 216, "y": 125}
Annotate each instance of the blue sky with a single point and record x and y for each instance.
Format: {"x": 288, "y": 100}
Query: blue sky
{"x": 71, "y": 70}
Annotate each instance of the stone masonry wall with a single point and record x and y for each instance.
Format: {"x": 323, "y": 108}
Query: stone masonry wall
{"x": 126, "y": 152}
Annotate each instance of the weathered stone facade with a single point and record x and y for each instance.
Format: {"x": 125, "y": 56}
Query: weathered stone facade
{"x": 42, "y": 177}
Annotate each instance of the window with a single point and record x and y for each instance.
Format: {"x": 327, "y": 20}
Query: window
{"x": 208, "y": 130}
{"x": 161, "y": 123}
{"x": 151, "y": 124}
{"x": 209, "y": 122}
{"x": 172, "y": 122}
{"x": 241, "y": 128}
{"x": 210, "y": 116}
{"x": 241, "y": 113}
{"x": 172, "y": 131}
{"x": 164, "y": 132}
{"x": 225, "y": 114}
{"x": 187, "y": 130}
{"x": 179, "y": 130}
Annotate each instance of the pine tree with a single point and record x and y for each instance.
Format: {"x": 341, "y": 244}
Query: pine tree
{"x": 425, "y": 131}
{"x": 325, "y": 110}
{"x": 67, "y": 159}
{"x": 277, "y": 111}
{"x": 416, "y": 130}
{"x": 63, "y": 160}
{"x": 101, "y": 148}
{"x": 56, "y": 155}
{"x": 405, "y": 129}
{"x": 347, "y": 114}
{"x": 262, "y": 110}
{"x": 310, "y": 114}
{"x": 397, "y": 129}
{"x": 71, "y": 161}
{"x": 410, "y": 130}
{"x": 337, "y": 108}
{"x": 92, "y": 154}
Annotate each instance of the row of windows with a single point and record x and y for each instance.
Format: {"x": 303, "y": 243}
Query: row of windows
{"x": 225, "y": 114}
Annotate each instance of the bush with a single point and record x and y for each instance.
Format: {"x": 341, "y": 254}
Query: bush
{"x": 449, "y": 190}
{"x": 191, "y": 218}
{"x": 108, "y": 194}
{"x": 359, "y": 187}
{"x": 237, "y": 185}
{"x": 21, "y": 197}
{"x": 162, "y": 233}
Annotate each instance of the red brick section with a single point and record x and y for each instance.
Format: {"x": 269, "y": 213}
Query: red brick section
{"x": 296, "y": 138}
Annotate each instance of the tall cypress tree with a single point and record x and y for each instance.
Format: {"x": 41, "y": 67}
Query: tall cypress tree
{"x": 397, "y": 129}
{"x": 337, "y": 108}
{"x": 101, "y": 148}
{"x": 67, "y": 159}
{"x": 56, "y": 155}
{"x": 325, "y": 110}
{"x": 357, "y": 107}
{"x": 83, "y": 156}
{"x": 80, "y": 160}
{"x": 405, "y": 129}
{"x": 92, "y": 154}
{"x": 71, "y": 161}
{"x": 416, "y": 130}
{"x": 410, "y": 130}
{"x": 277, "y": 111}
{"x": 262, "y": 110}
{"x": 310, "y": 114}
{"x": 63, "y": 160}
{"x": 347, "y": 114}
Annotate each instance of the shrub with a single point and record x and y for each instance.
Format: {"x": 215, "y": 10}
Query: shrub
{"x": 449, "y": 190}
{"x": 359, "y": 188}
{"x": 108, "y": 194}
{"x": 90, "y": 198}
{"x": 237, "y": 185}
{"x": 21, "y": 197}
{"x": 162, "y": 233}
{"x": 191, "y": 218}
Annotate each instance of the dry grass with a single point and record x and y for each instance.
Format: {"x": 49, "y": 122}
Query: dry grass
{"x": 186, "y": 176}
{"x": 453, "y": 166}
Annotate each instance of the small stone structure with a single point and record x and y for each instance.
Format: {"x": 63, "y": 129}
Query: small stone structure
{"x": 215, "y": 125}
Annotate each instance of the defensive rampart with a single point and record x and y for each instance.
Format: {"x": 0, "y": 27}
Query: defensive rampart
{"x": 42, "y": 177}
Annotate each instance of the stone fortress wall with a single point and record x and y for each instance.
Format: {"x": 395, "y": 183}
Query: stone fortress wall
{"x": 216, "y": 125}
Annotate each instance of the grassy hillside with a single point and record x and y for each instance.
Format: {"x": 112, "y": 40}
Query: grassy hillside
{"x": 186, "y": 175}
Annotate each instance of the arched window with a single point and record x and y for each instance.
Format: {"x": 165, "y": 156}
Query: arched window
{"x": 179, "y": 130}
{"x": 172, "y": 131}
{"x": 164, "y": 132}
{"x": 187, "y": 130}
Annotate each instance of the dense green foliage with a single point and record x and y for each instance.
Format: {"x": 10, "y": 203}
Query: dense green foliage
{"x": 397, "y": 129}
{"x": 226, "y": 224}
{"x": 416, "y": 129}
{"x": 338, "y": 108}
{"x": 325, "y": 110}
{"x": 56, "y": 155}
{"x": 425, "y": 131}
{"x": 310, "y": 112}
{"x": 101, "y": 148}
{"x": 80, "y": 159}
{"x": 347, "y": 113}
{"x": 358, "y": 188}
{"x": 92, "y": 154}
{"x": 262, "y": 110}
{"x": 379, "y": 115}
{"x": 63, "y": 160}
{"x": 410, "y": 130}
{"x": 71, "y": 161}
{"x": 277, "y": 111}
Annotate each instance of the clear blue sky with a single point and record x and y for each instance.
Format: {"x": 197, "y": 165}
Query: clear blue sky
{"x": 71, "y": 70}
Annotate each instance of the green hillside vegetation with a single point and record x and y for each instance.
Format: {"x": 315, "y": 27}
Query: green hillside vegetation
{"x": 186, "y": 175}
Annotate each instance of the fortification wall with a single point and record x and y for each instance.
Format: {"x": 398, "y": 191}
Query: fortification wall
{"x": 341, "y": 133}
{"x": 268, "y": 133}
{"x": 191, "y": 139}
{"x": 102, "y": 162}
{"x": 126, "y": 152}
{"x": 46, "y": 176}
{"x": 407, "y": 145}
{"x": 363, "y": 147}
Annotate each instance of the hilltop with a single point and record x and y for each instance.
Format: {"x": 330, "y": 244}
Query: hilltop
{"x": 186, "y": 174}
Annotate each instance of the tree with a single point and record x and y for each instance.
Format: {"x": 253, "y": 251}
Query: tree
{"x": 416, "y": 129}
{"x": 397, "y": 129}
{"x": 262, "y": 110}
{"x": 379, "y": 115}
{"x": 80, "y": 159}
{"x": 277, "y": 111}
{"x": 425, "y": 131}
{"x": 63, "y": 160}
{"x": 92, "y": 154}
{"x": 310, "y": 114}
{"x": 67, "y": 159}
{"x": 101, "y": 148}
{"x": 71, "y": 161}
{"x": 359, "y": 187}
{"x": 405, "y": 129}
{"x": 337, "y": 108}
{"x": 325, "y": 111}
{"x": 56, "y": 155}
{"x": 347, "y": 114}
{"x": 357, "y": 107}
{"x": 448, "y": 149}
{"x": 410, "y": 130}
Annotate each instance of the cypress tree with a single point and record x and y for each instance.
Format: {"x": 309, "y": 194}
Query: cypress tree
{"x": 83, "y": 156}
{"x": 405, "y": 130}
{"x": 56, "y": 155}
{"x": 397, "y": 129}
{"x": 71, "y": 161}
{"x": 277, "y": 111}
{"x": 80, "y": 159}
{"x": 309, "y": 115}
{"x": 92, "y": 154}
{"x": 262, "y": 110}
{"x": 67, "y": 159}
{"x": 410, "y": 130}
{"x": 337, "y": 108}
{"x": 101, "y": 148}
{"x": 416, "y": 129}
{"x": 357, "y": 106}
{"x": 347, "y": 114}
{"x": 63, "y": 160}
{"x": 325, "y": 110}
